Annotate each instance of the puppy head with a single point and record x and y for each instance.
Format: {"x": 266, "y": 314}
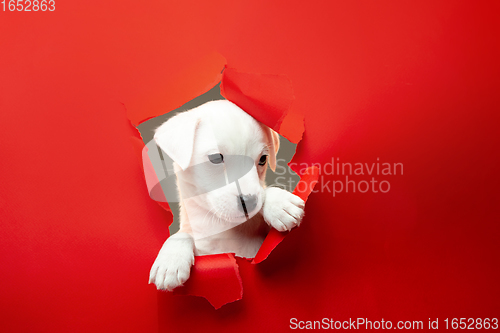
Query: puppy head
{"x": 220, "y": 156}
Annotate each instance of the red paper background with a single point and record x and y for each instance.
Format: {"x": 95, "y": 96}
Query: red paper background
{"x": 415, "y": 83}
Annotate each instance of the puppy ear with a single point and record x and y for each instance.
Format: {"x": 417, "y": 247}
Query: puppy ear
{"x": 176, "y": 137}
{"x": 275, "y": 146}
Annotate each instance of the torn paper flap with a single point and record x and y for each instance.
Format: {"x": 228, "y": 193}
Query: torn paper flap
{"x": 215, "y": 277}
{"x": 266, "y": 97}
{"x": 303, "y": 189}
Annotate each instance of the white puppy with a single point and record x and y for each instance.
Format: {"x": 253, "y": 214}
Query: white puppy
{"x": 220, "y": 156}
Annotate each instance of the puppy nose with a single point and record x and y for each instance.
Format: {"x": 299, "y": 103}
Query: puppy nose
{"x": 247, "y": 202}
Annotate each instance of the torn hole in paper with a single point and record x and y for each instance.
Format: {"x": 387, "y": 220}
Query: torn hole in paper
{"x": 268, "y": 99}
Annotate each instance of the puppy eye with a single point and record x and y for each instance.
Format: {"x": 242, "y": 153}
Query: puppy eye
{"x": 216, "y": 158}
{"x": 263, "y": 160}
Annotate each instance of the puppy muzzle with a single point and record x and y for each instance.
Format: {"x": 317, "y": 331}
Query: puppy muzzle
{"x": 247, "y": 203}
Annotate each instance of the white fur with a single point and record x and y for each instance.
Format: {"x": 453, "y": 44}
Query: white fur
{"x": 211, "y": 222}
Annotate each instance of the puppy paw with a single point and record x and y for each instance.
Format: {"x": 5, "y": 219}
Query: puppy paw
{"x": 282, "y": 210}
{"x": 172, "y": 266}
